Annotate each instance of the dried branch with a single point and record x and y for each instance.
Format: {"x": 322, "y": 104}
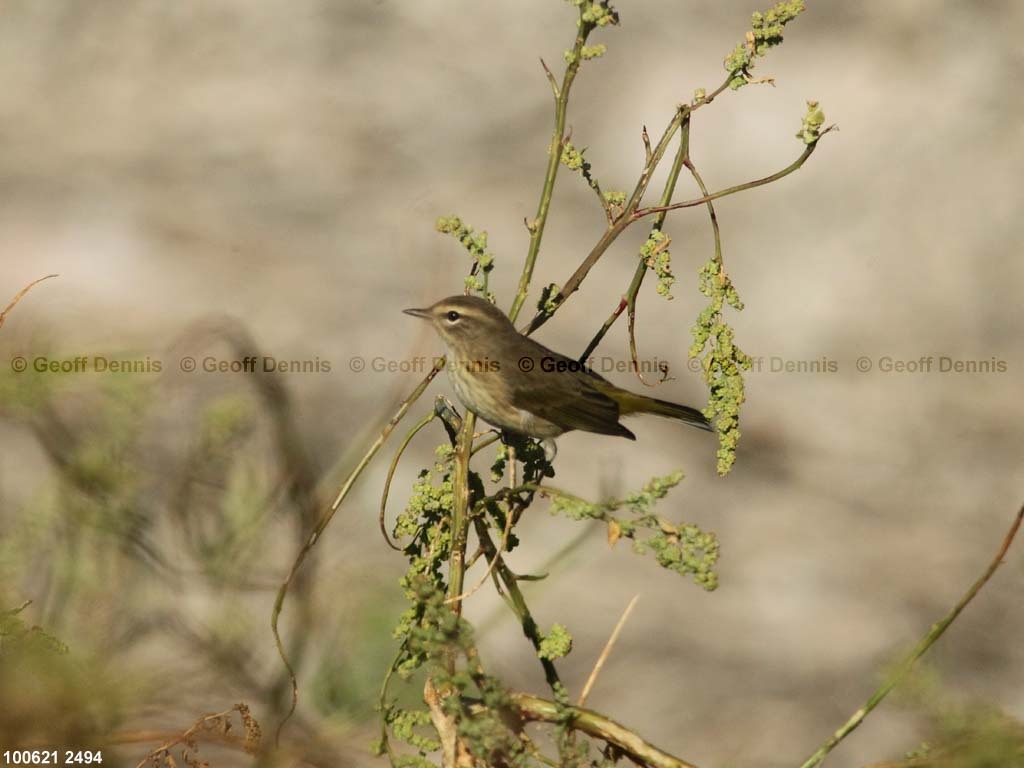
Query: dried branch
{"x": 534, "y": 709}
{"x": 218, "y": 723}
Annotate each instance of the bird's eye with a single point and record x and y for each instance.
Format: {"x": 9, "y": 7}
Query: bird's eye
{"x": 453, "y": 316}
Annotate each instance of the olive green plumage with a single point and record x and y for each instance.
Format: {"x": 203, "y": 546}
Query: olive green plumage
{"x": 518, "y": 385}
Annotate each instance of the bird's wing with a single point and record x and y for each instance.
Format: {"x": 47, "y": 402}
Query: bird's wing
{"x": 566, "y": 399}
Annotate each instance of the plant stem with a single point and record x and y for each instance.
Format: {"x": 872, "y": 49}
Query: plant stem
{"x": 460, "y": 513}
{"x": 618, "y": 226}
{"x": 715, "y": 229}
{"x": 934, "y": 633}
{"x": 629, "y": 300}
{"x": 632, "y": 213}
{"x": 554, "y": 160}
{"x": 794, "y": 166}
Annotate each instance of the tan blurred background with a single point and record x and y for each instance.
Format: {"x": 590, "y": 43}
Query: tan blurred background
{"x": 282, "y": 164}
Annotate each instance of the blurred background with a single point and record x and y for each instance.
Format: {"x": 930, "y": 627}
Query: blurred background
{"x": 221, "y": 178}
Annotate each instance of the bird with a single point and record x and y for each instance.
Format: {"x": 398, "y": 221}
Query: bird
{"x": 521, "y": 387}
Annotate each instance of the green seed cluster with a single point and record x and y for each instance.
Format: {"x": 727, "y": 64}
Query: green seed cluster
{"x": 484, "y": 731}
{"x": 426, "y": 523}
{"x": 617, "y": 199}
{"x": 476, "y": 244}
{"x": 596, "y": 13}
{"x": 587, "y": 52}
{"x": 530, "y": 453}
{"x": 810, "y": 129}
{"x": 573, "y": 159}
{"x": 683, "y": 548}
{"x": 555, "y": 644}
{"x": 765, "y": 33}
{"x": 723, "y": 361}
{"x": 548, "y": 301}
{"x": 431, "y": 633}
{"x": 407, "y": 725}
{"x": 768, "y": 26}
{"x": 657, "y": 257}
{"x": 686, "y": 550}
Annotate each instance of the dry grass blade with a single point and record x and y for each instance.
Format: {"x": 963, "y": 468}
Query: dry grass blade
{"x": 20, "y": 296}
{"x": 606, "y": 651}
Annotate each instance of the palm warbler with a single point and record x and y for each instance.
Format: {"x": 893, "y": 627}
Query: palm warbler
{"x": 523, "y": 387}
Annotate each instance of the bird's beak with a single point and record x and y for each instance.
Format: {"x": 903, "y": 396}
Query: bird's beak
{"x": 424, "y": 313}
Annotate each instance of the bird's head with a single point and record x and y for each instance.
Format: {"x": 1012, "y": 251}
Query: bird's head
{"x": 463, "y": 320}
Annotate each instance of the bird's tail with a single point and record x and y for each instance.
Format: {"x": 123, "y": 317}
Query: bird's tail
{"x": 634, "y": 403}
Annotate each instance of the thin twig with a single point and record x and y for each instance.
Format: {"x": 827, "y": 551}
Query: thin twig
{"x": 606, "y": 651}
{"x": 551, "y": 78}
{"x": 794, "y": 166}
{"x": 489, "y": 440}
{"x": 651, "y": 161}
{"x": 681, "y": 158}
{"x": 201, "y": 726}
{"x": 142, "y": 737}
{"x": 621, "y": 223}
{"x": 606, "y": 326}
{"x": 629, "y": 300}
{"x": 632, "y": 214}
{"x": 325, "y": 521}
{"x": 391, "y": 474}
{"x": 715, "y": 228}
{"x": 20, "y": 296}
{"x": 382, "y": 700}
{"x": 516, "y": 602}
{"x": 919, "y": 650}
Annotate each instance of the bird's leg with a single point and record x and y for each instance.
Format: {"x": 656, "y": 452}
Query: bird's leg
{"x": 509, "y": 441}
{"x": 511, "y": 466}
